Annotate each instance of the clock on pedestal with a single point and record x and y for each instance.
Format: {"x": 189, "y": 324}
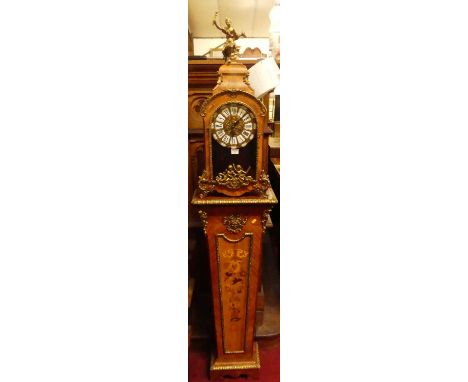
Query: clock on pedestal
{"x": 234, "y": 199}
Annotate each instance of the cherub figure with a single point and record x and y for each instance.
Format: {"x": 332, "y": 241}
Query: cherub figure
{"x": 231, "y": 50}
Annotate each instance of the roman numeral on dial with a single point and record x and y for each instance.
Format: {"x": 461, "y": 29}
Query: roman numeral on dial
{"x": 240, "y": 139}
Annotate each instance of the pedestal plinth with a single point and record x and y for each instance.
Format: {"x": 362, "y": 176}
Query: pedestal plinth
{"x": 234, "y": 228}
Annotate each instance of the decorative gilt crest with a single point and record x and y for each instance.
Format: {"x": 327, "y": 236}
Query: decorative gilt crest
{"x": 234, "y": 223}
{"x": 204, "y": 219}
{"x": 205, "y": 184}
{"x": 265, "y": 215}
{"x": 234, "y": 177}
{"x": 263, "y": 184}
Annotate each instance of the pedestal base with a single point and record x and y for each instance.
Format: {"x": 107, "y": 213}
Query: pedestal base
{"x": 236, "y": 368}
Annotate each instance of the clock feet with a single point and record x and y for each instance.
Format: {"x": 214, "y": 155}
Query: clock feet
{"x": 236, "y": 368}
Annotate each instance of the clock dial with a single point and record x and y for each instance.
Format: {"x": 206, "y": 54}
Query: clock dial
{"x": 233, "y": 125}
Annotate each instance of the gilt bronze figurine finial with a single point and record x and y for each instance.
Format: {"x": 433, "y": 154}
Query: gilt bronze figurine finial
{"x": 231, "y": 50}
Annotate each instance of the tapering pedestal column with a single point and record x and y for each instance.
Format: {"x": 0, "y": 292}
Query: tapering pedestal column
{"x": 234, "y": 229}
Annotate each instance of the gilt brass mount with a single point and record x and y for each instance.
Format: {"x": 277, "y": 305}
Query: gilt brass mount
{"x": 263, "y": 184}
{"x": 204, "y": 219}
{"x": 234, "y": 177}
{"x": 234, "y": 223}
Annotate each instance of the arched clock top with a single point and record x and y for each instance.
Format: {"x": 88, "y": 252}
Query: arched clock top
{"x": 216, "y": 100}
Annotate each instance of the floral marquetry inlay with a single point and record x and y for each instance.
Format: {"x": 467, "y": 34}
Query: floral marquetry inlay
{"x": 234, "y": 278}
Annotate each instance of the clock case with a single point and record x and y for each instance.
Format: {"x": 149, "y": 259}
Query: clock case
{"x": 234, "y": 206}
{"x": 226, "y": 173}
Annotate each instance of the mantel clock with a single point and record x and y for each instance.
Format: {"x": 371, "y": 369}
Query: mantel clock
{"x": 234, "y": 122}
{"x": 234, "y": 199}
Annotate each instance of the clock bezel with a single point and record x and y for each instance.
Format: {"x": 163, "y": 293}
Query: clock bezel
{"x": 254, "y": 122}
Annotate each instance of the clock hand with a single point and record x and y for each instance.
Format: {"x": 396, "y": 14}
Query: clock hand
{"x": 235, "y": 124}
{"x": 230, "y": 128}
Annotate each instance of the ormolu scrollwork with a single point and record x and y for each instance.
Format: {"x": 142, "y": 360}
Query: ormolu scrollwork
{"x": 234, "y": 177}
{"x": 246, "y": 79}
{"x": 204, "y": 219}
{"x": 263, "y": 184}
{"x": 234, "y": 223}
{"x": 205, "y": 184}
{"x": 265, "y": 215}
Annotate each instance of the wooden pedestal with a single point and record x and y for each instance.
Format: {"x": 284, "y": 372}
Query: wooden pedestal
{"x": 234, "y": 227}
